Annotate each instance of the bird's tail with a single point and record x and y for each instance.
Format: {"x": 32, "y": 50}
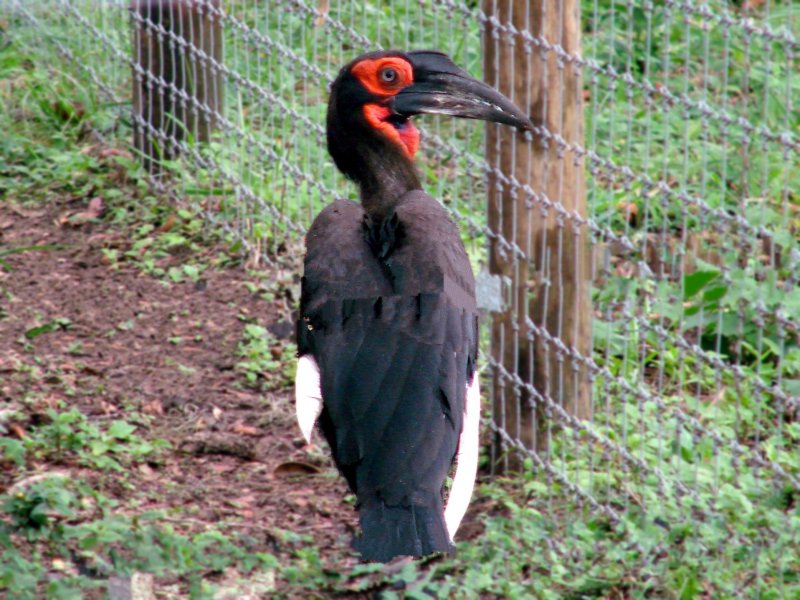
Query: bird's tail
{"x": 390, "y": 531}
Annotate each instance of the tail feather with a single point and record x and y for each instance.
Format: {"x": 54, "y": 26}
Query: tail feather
{"x": 390, "y": 531}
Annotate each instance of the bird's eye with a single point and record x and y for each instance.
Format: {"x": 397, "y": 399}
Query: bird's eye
{"x": 388, "y": 75}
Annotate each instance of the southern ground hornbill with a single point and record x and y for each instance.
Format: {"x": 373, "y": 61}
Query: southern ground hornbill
{"x": 388, "y": 332}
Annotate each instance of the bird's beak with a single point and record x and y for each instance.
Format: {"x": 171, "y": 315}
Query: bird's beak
{"x": 441, "y": 88}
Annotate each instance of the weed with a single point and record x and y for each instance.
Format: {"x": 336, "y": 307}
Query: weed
{"x": 70, "y": 436}
{"x": 266, "y": 361}
{"x": 105, "y": 542}
{"x": 58, "y": 324}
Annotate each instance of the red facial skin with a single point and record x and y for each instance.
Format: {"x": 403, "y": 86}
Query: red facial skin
{"x": 407, "y": 136}
{"x": 370, "y": 74}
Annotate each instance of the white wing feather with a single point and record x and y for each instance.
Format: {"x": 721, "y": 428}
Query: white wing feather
{"x": 466, "y": 460}
{"x": 307, "y": 395}
{"x": 308, "y": 405}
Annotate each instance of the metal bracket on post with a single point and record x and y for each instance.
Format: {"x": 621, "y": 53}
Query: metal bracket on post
{"x": 492, "y": 291}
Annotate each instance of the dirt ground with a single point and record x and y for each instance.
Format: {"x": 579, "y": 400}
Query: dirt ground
{"x": 135, "y": 344}
{"x": 131, "y": 344}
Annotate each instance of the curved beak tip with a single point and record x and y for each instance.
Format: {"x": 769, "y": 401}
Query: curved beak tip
{"x": 449, "y": 91}
{"x": 526, "y": 128}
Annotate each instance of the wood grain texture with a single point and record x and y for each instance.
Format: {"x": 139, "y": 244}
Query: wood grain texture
{"x": 551, "y": 280}
{"x": 181, "y": 68}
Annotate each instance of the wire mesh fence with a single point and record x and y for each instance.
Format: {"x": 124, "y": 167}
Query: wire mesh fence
{"x": 674, "y": 191}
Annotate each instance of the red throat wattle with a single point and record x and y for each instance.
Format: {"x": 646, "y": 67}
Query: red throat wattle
{"x": 405, "y": 135}
{"x": 384, "y": 78}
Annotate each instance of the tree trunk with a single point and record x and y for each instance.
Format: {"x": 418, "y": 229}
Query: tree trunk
{"x": 183, "y": 59}
{"x": 540, "y": 250}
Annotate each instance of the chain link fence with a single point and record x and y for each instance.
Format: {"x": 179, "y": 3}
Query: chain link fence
{"x": 686, "y": 152}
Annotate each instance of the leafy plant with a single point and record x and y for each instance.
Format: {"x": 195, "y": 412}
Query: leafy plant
{"x": 105, "y": 542}
{"x": 71, "y": 436}
{"x": 36, "y": 508}
{"x": 265, "y": 359}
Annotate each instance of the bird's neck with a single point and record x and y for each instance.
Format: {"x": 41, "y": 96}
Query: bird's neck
{"x": 384, "y": 181}
{"x": 381, "y": 166}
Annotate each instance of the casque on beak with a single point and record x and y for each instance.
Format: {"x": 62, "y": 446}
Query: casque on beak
{"x": 440, "y": 87}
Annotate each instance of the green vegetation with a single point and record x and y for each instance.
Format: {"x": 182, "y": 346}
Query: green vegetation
{"x": 684, "y": 483}
{"x": 74, "y": 522}
{"x": 70, "y": 436}
{"x": 265, "y": 362}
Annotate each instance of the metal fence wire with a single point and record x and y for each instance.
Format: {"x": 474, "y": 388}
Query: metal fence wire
{"x": 661, "y": 396}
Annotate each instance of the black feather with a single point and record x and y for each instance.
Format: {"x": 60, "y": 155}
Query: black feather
{"x": 394, "y": 333}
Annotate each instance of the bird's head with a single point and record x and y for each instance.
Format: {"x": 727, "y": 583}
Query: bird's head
{"x": 375, "y": 95}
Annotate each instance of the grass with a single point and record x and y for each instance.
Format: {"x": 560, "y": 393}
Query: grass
{"x": 689, "y": 422}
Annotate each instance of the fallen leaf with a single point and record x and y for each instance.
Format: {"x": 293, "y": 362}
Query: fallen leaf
{"x": 291, "y": 468}
{"x": 242, "y": 429}
{"x": 25, "y": 213}
{"x": 107, "y": 152}
{"x": 299, "y": 502}
{"x": 59, "y": 564}
{"x": 17, "y": 430}
{"x": 204, "y": 443}
{"x": 154, "y": 407}
{"x": 221, "y": 468}
{"x": 167, "y": 225}
{"x": 243, "y": 501}
{"x": 630, "y": 211}
{"x": 216, "y": 413}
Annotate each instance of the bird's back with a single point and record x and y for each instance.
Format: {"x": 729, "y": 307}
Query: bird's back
{"x": 388, "y": 313}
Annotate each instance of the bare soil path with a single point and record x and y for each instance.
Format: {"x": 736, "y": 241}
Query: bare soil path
{"x": 119, "y": 344}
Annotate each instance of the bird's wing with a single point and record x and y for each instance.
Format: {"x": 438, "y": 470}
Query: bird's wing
{"x": 388, "y": 313}
{"x": 307, "y": 395}
{"x": 466, "y": 460}
{"x": 337, "y": 262}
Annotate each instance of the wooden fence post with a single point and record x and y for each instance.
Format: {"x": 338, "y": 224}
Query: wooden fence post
{"x": 179, "y": 44}
{"x": 542, "y": 251}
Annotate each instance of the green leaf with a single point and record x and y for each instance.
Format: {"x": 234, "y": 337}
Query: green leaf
{"x": 48, "y": 327}
{"x": 715, "y": 293}
{"x": 191, "y": 271}
{"x": 13, "y": 450}
{"x": 98, "y": 447}
{"x": 121, "y": 430}
{"x": 175, "y": 274}
{"x": 696, "y": 281}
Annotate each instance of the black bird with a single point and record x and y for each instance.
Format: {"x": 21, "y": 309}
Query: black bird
{"x": 388, "y": 330}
